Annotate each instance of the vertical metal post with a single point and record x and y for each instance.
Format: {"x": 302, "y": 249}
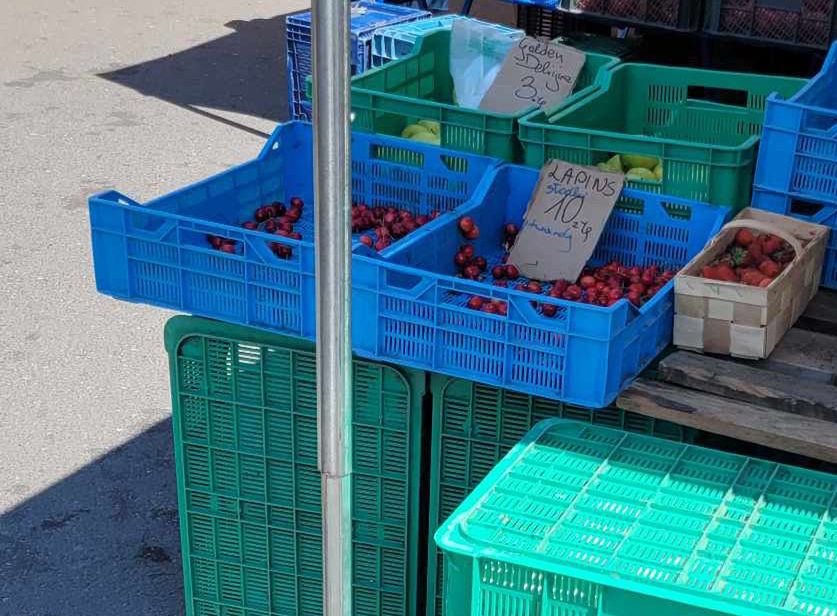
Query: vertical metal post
{"x": 332, "y": 170}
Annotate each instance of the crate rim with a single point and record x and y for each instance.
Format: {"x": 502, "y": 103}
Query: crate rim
{"x": 449, "y": 538}
{"x": 419, "y": 46}
{"x": 240, "y": 233}
{"x": 532, "y": 121}
{"x": 828, "y": 65}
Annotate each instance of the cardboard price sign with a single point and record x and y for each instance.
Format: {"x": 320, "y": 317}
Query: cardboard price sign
{"x": 564, "y": 220}
{"x": 534, "y": 73}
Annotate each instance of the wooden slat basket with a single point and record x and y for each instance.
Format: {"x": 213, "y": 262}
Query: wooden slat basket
{"x": 731, "y": 318}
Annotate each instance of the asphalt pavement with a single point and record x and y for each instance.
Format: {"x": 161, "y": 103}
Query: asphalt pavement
{"x": 144, "y": 97}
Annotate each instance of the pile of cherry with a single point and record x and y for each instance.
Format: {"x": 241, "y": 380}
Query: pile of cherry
{"x": 387, "y": 223}
{"x": 274, "y": 218}
{"x": 600, "y": 286}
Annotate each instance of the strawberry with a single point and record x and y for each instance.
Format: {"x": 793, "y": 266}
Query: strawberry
{"x": 752, "y": 277}
{"x": 744, "y": 237}
{"x": 725, "y": 272}
{"x": 770, "y": 268}
{"x": 770, "y": 244}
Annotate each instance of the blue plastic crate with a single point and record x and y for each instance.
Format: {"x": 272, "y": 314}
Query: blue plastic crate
{"x": 157, "y": 253}
{"x": 394, "y": 42}
{"x": 585, "y": 355}
{"x": 367, "y": 17}
{"x": 797, "y": 168}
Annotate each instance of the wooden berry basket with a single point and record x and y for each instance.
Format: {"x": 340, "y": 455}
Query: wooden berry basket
{"x": 731, "y": 318}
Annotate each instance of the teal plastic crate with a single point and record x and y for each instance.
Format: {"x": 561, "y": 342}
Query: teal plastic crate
{"x": 582, "y": 520}
{"x": 245, "y": 430}
{"x": 475, "y": 425}
{"x": 419, "y": 87}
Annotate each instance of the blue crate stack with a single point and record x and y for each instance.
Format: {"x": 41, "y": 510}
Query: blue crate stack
{"x": 394, "y": 42}
{"x": 367, "y": 17}
{"x": 797, "y": 168}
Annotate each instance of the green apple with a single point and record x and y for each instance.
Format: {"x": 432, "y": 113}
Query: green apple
{"x": 636, "y": 161}
{"x": 432, "y": 126}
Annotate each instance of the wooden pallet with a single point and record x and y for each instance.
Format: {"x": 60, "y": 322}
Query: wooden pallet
{"x": 787, "y": 402}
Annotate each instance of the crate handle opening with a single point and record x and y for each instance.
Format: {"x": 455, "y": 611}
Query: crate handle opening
{"x": 725, "y": 96}
{"x": 807, "y": 209}
{"x": 413, "y": 284}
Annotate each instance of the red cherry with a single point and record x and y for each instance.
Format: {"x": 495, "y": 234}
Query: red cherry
{"x": 467, "y": 250}
{"x": 634, "y": 297}
{"x": 498, "y": 272}
{"x": 549, "y": 310}
{"x": 294, "y": 214}
{"x": 460, "y": 260}
{"x": 249, "y": 224}
{"x": 481, "y": 263}
{"x": 502, "y": 307}
{"x": 466, "y": 224}
{"x": 511, "y": 230}
{"x": 475, "y": 303}
{"x": 422, "y": 220}
{"x": 382, "y": 244}
{"x": 230, "y": 248}
{"x": 214, "y": 241}
{"x": 489, "y": 308}
{"x": 366, "y": 241}
{"x": 534, "y": 287}
{"x": 471, "y": 271}
{"x": 473, "y": 233}
{"x": 270, "y": 226}
{"x": 587, "y": 282}
{"x": 512, "y": 272}
{"x": 296, "y": 202}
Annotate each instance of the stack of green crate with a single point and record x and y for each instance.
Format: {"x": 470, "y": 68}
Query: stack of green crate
{"x": 245, "y": 428}
{"x": 474, "y": 426}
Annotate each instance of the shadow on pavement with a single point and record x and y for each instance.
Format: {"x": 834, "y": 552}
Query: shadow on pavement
{"x": 243, "y": 72}
{"x": 101, "y": 542}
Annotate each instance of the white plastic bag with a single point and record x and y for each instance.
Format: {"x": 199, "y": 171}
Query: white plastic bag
{"x": 476, "y": 53}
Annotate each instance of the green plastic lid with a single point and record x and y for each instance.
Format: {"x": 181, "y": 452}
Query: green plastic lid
{"x": 703, "y": 528}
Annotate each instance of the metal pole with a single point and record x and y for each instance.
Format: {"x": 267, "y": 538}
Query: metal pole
{"x": 332, "y": 170}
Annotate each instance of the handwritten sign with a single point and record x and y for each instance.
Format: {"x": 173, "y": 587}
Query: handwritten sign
{"x": 564, "y": 220}
{"x": 535, "y": 73}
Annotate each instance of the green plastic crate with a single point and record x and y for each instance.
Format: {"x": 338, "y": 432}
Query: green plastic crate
{"x": 581, "y": 520}
{"x": 474, "y": 426}
{"x": 703, "y": 125}
{"x": 245, "y": 430}
{"x": 420, "y": 87}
